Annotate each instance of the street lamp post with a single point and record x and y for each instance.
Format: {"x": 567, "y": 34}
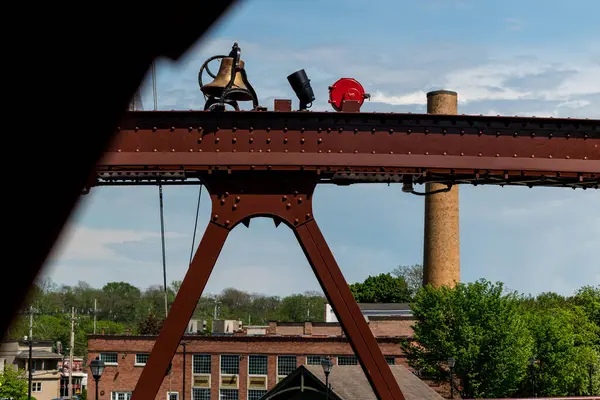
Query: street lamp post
{"x": 327, "y": 365}
{"x": 451, "y": 363}
{"x": 97, "y": 367}
{"x": 29, "y": 366}
{"x": 532, "y": 367}
{"x": 591, "y": 377}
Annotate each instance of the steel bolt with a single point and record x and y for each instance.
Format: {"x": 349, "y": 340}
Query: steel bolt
{"x": 288, "y": 205}
{"x": 307, "y": 215}
{"x": 215, "y": 217}
{"x": 296, "y": 221}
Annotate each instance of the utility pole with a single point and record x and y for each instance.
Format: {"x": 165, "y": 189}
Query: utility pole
{"x": 71, "y": 353}
{"x": 95, "y": 311}
{"x": 30, "y": 349}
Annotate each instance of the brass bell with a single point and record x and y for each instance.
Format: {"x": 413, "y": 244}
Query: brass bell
{"x": 215, "y": 88}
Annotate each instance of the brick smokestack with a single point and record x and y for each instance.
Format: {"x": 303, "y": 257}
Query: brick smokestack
{"x": 441, "y": 253}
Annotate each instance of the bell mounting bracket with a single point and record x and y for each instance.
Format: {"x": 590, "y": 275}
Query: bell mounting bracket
{"x": 218, "y": 103}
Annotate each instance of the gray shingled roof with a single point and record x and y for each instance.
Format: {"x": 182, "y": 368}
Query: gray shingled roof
{"x": 384, "y": 306}
{"x": 350, "y": 383}
{"x": 39, "y": 354}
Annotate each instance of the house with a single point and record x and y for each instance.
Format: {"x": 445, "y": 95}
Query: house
{"x": 78, "y": 376}
{"x": 44, "y": 365}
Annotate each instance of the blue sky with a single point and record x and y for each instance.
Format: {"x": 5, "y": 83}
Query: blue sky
{"x": 513, "y": 58}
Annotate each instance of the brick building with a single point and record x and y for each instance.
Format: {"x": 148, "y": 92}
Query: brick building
{"x": 236, "y": 366}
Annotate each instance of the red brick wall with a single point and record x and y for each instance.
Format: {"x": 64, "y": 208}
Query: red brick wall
{"x": 124, "y": 376}
{"x": 391, "y": 327}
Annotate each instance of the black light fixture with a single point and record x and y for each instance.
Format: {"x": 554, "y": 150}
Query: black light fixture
{"x": 451, "y": 363}
{"x": 327, "y": 365}
{"x": 532, "y": 362}
{"x": 97, "y": 368}
{"x": 301, "y": 84}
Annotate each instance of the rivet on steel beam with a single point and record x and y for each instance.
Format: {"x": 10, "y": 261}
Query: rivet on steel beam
{"x": 199, "y": 140}
{"x": 462, "y": 154}
{"x": 533, "y": 156}
{"x": 227, "y": 222}
{"x": 299, "y": 200}
{"x": 585, "y": 136}
{"x": 497, "y": 133}
{"x": 319, "y": 151}
{"x": 217, "y": 129}
{"x": 285, "y": 151}
{"x": 118, "y": 129}
{"x": 190, "y": 128}
{"x": 391, "y": 131}
{"x": 253, "y": 167}
{"x": 191, "y": 150}
{"x": 302, "y": 151}
{"x": 480, "y": 132}
{"x": 302, "y": 140}
{"x": 585, "y": 157}
{"x": 137, "y": 150}
{"x": 550, "y": 156}
{"x": 296, "y": 221}
{"x": 373, "y": 130}
{"x": 215, "y": 217}
{"x": 479, "y": 154}
{"x": 444, "y": 131}
{"x": 251, "y": 129}
{"x": 307, "y": 216}
{"x": 515, "y": 134}
{"x": 373, "y": 152}
{"x": 222, "y": 201}
{"x": 355, "y": 151}
{"x": 288, "y": 205}
{"x": 532, "y": 134}
{"x": 302, "y": 130}
{"x": 233, "y": 140}
{"x": 409, "y": 131}
{"x": 355, "y": 130}
{"x": 462, "y": 132}
{"x": 268, "y": 140}
{"x": 251, "y": 140}
{"x": 409, "y": 153}
{"x": 119, "y": 150}
{"x": 285, "y": 140}
{"x": 567, "y": 157}
{"x": 233, "y": 129}
{"x": 514, "y": 155}
{"x": 341, "y": 151}
{"x": 328, "y": 129}
{"x": 217, "y": 150}
{"x": 391, "y": 152}
{"x": 329, "y": 151}
{"x": 137, "y": 128}
{"x": 235, "y": 206}
{"x": 260, "y": 150}
{"x": 426, "y": 153}
{"x": 319, "y": 130}
{"x": 340, "y": 130}
{"x": 568, "y": 135}
{"x": 172, "y": 128}
{"x": 443, "y": 153}
{"x": 550, "y": 135}
{"x": 153, "y": 129}
{"x": 200, "y": 150}
{"x": 200, "y": 129}
{"x": 283, "y": 198}
{"x": 217, "y": 140}
{"x": 155, "y": 150}
{"x": 426, "y": 131}
{"x": 319, "y": 140}
{"x": 497, "y": 155}
{"x": 238, "y": 199}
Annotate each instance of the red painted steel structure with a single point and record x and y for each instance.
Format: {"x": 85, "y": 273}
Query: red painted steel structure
{"x": 265, "y": 163}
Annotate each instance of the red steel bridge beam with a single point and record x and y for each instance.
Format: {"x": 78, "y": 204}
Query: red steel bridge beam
{"x": 268, "y": 164}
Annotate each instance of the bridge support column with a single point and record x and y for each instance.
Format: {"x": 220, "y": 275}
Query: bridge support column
{"x": 441, "y": 253}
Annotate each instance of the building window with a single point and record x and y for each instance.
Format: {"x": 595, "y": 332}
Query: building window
{"x": 314, "y": 360}
{"x": 36, "y": 386}
{"x": 201, "y": 363}
{"x": 38, "y": 365}
{"x": 229, "y": 394}
{"x": 172, "y": 395}
{"x": 347, "y": 360}
{"x": 230, "y": 365}
{"x": 391, "y": 360}
{"x": 110, "y": 359}
{"x": 257, "y": 365}
{"x": 256, "y": 394}
{"x": 285, "y": 365}
{"x": 120, "y": 396}
{"x": 141, "y": 359}
{"x": 200, "y": 394}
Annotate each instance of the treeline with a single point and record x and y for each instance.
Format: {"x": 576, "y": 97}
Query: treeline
{"x": 122, "y": 307}
{"x": 505, "y": 344}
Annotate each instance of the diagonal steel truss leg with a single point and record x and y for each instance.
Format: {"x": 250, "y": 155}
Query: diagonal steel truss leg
{"x": 288, "y": 199}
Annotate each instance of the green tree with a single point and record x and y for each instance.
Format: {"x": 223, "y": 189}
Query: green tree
{"x": 412, "y": 274}
{"x": 480, "y": 327}
{"x": 121, "y": 299}
{"x": 383, "y": 288}
{"x": 150, "y": 326}
{"x": 302, "y": 307}
{"x": 564, "y": 347}
{"x": 13, "y": 384}
{"x": 588, "y": 298}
